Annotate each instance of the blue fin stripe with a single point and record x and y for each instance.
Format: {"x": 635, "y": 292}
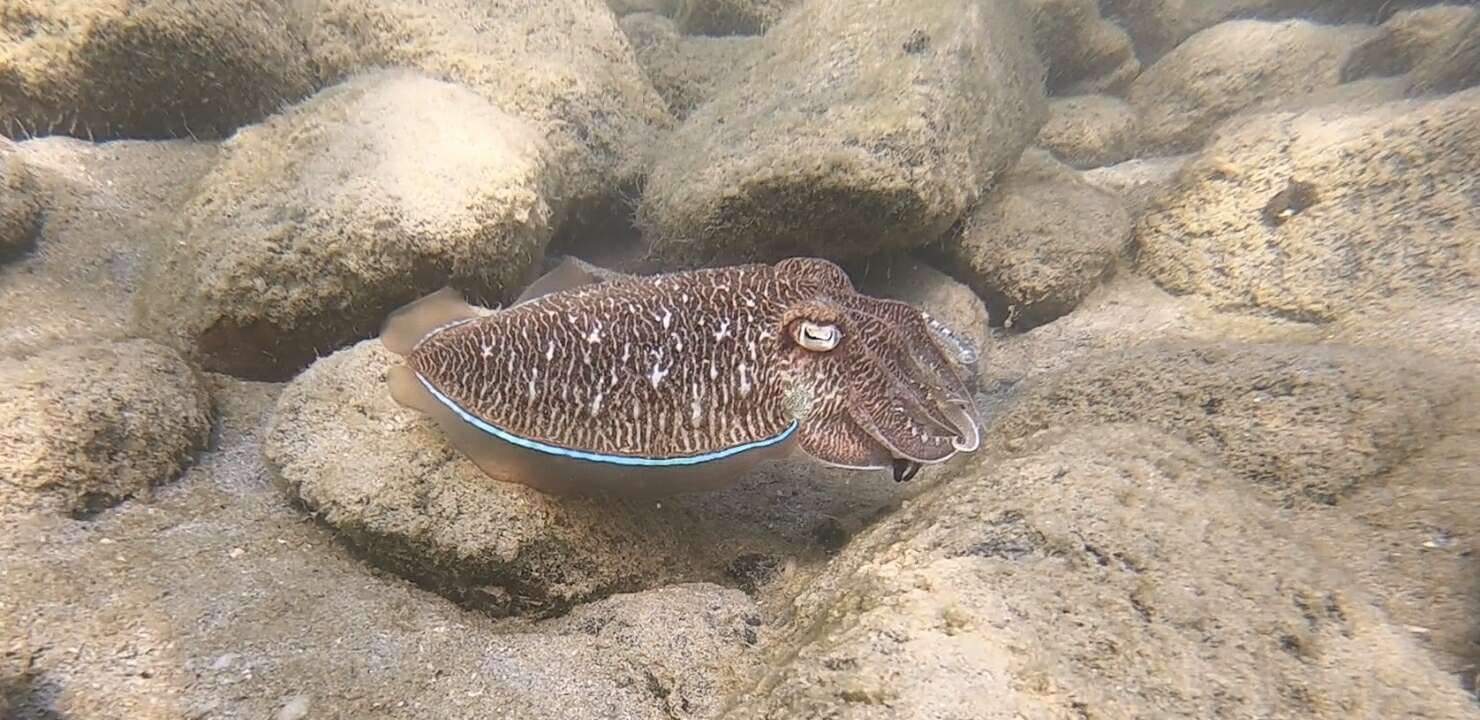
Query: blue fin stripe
{"x": 599, "y": 457}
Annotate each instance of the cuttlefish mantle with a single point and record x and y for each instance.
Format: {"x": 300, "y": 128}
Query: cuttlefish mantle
{"x": 681, "y": 382}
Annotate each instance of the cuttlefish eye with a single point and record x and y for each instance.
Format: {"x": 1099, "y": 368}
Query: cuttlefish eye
{"x": 817, "y": 338}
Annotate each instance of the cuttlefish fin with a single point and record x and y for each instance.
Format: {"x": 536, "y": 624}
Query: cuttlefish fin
{"x": 571, "y": 273}
{"x": 405, "y": 327}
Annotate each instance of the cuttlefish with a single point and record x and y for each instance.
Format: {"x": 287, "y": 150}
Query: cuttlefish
{"x": 683, "y": 381}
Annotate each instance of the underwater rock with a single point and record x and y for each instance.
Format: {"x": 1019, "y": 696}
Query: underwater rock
{"x": 1102, "y": 572}
{"x": 563, "y": 66}
{"x": 1039, "y": 243}
{"x": 686, "y": 71}
{"x": 1306, "y": 425}
{"x": 859, "y": 127}
{"x": 1454, "y": 64}
{"x": 1448, "y": 330}
{"x": 1312, "y": 215}
{"x": 20, "y": 206}
{"x": 1237, "y": 66}
{"x": 1089, "y": 131}
{"x": 383, "y": 476}
{"x": 159, "y": 69}
{"x": 1406, "y": 39}
{"x": 686, "y": 643}
{"x": 1157, "y": 26}
{"x": 1084, "y": 52}
{"x": 317, "y": 223}
{"x": 1137, "y": 181}
{"x": 84, "y": 427}
{"x": 730, "y": 17}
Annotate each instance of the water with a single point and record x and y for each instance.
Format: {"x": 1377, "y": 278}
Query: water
{"x": 1210, "y": 271}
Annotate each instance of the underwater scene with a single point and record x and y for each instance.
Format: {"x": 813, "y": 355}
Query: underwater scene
{"x": 739, "y": 359}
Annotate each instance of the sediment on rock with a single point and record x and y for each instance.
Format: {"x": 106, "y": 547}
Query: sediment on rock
{"x": 84, "y": 427}
{"x": 821, "y": 145}
{"x": 1314, "y": 215}
{"x": 159, "y": 69}
{"x": 317, "y": 224}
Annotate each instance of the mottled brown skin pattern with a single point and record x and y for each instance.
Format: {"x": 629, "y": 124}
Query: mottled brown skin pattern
{"x": 696, "y": 362}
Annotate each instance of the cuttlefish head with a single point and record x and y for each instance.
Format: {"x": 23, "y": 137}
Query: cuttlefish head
{"x": 875, "y": 383}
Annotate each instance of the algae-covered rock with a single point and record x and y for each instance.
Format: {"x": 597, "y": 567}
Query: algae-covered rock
{"x": 1089, "y": 131}
{"x": 1138, "y": 181}
{"x": 686, "y": 70}
{"x": 1039, "y": 243}
{"x": 1157, "y": 26}
{"x": 84, "y": 427}
{"x": 316, "y": 224}
{"x": 146, "y": 68}
{"x": 1105, "y": 571}
{"x": 563, "y": 66}
{"x": 730, "y": 17}
{"x": 859, "y": 127}
{"x": 1454, "y": 64}
{"x": 1305, "y": 424}
{"x": 1406, "y": 39}
{"x": 20, "y": 204}
{"x": 380, "y": 474}
{"x": 1314, "y": 215}
{"x": 1236, "y": 66}
{"x": 1084, "y": 52}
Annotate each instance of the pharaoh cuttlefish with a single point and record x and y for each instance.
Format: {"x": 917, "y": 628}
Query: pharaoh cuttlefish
{"x": 681, "y": 382}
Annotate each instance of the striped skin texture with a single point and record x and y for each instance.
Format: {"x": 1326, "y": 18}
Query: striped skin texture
{"x": 695, "y": 363}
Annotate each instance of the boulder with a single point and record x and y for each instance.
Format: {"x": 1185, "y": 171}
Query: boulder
{"x": 319, "y": 222}
{"x": 1084, "y": 52}
{"x": 1306, "y": 425}
{"x": 1454, "y": 64}
{"x": 20, "y": 204}
{"x": 730, "y": 17}
{"x": 1137, "y": 181}
{"x": 1236, "y": 66}
{"x": 1313, "y": 215}
{"x": 106, "y": 203}
{"x": 387, "y": 479}
{"x": 84, "y": 427}
{"x": 564, "y": 67}
{"x": 859, "y": 127}
{"x": 152, "y": 69}
{"x": 1104, "y": 571}
{"x": 1090, "y": 131}
{"x": 1157, "y": 26}
{"x": 1039, "y": 243}
{"x": 686, "y": 71}
{"x": 1406, "y": 39}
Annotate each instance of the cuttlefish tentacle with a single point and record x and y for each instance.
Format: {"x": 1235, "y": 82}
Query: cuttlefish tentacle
{"x": 921, "y": 361}
{"x": 884, "y": 349}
